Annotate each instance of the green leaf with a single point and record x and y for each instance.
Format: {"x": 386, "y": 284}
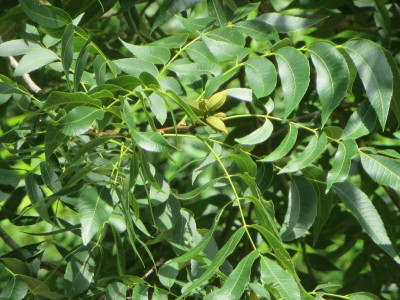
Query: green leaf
{"x": 237, "y": 281}
{"x": 151, "y": 54}
{"x": 284, "y": 23}
{"x": 261, "y": 75}
{"x": 216, "y": 11}
{"x": 170, "y": 8}
{"x": 332, "y": 76}
{"x": 79, "y": 120}
{"x": 302, "y": 209}
{"x": 218, "y": 260}
{"x": 93, "y": 212}
{"x": 56, "y": 99}
{"x": 134, "y": 66}
{"x": 294, "y": 72}
{"x": 196, "y": 25}
{"x": 395, "y": 103}
{"x": 228, "y": 35}
{"x": 272, "y": 273}
{"x": 17, "y": 47}
{"x": 116, "y": 291}
{"x": 314, "y": 149}
{"x": 168, "y": 273}
{"x": 79, "y": 273}
{"x": 244, "y": 10}
{"x": 100, "y": 66}
{"x": 197, "y": 191}
{"x": 382, "y": 169}
{"x": 257, "y": 30}
{"x": 375, "y": 74}
{"x": 240, "y": 93}
{"x": 40, "y": 288}
{"x": 35, "y": 194}
{"x": 67, "y": 49}
{"x": 368, "y": 217}
{"x": 284, "y": 147}
{"x": 53, "y": 139}
{"x": 45, "y": 14}
{"x": 35, "y": 59}
{"x": 121, "y": 261}
{"x": 195, "y": 69}
{"x": 341, "y": 162}
{"x": 10, "y": 176}
{"x": 199, "y": 52}
{"x": 215, "y": 82}
{"x": 173, "y": 41}
{"x": 361, "y": 122}
{"x": 258, "y": 136}
{"x": 223, "y": 51}
{"x": 80, "y": 64}
{"x": 245, "y": 163}
{"x": 16, "y": 289}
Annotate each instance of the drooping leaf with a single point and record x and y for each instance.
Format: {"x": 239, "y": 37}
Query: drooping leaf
{"x": 294, "y": 72}
{"x": 35, "y": 59}
{"x": 237, "y": 281}
{"x": 170, "y": 8}
{"x": 121, "y": 260}
{"x": 261, "y": 75}
{"x": 302, "y": 209}
{"x": 100, "y": 64}
{"x": 332, "y": 76}
{"x": 67, "y": 49}
{"x": 218, "y": 260}
{"x": 314, "y": 149}
{"x": 272, "y": 273}
{"x": 195, "y": 69}
{"x": 368, "y": 217}
{"x": 375, "y": 74}
{"x": 361, "y": 122}
{"x": 151, "y": 54}
{"x": 62, "y": 98}
{"x": 240, "y": 93}
{"x": 382, "y": 169}
{"x": 395, "y": 103}
{"x": 36, "y": 196}
{"x": 80, "y": 64}
{"x": 17, "y": 47}
{"x": 79, "y": 120}
{"x": 215, "y": 82}
{"x": 341, "y": 162}
{"x": 47, "y": 15}
{"x": 258, "y": 136}
{"x": 284, "y": 147}
{"x": 284, "y": 23}
{"x": 93, "y": 212}
{"x": 79, "y": 273}
{"x": 230, "y": 35}
{"x": 116, "y": 291}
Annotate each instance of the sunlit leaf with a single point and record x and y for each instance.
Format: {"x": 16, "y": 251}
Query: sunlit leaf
{"x": 79, "y": 273}
{"x": 93, "y": 212}
{"x": 261, "y": 75}
{"x": 258, "y": 136}
{"x": 35, "y": 59}
{"x": 341, "y": 162}
{"x": 79, "y": 120}
{"x": 284, "y": 147}
{"x": 151, "y": 54}
{"x": 47, "y": 15}
{"x": 294, "y": 72}
{"x": 332, "y": 76}
{"x": 360, "y": 123}
{"x": 285, "y": 23}
{"x": 272, "y": 273}
{"x": 375, "y": 74}
{"x": 313, "y": 150}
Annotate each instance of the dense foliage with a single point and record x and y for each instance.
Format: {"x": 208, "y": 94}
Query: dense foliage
{"x": 219, "y": 149}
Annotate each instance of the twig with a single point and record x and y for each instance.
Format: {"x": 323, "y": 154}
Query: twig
{"x": 148, "y": 273}
{"x": 34, "y": 88}
{"x": 8, "y": 239}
